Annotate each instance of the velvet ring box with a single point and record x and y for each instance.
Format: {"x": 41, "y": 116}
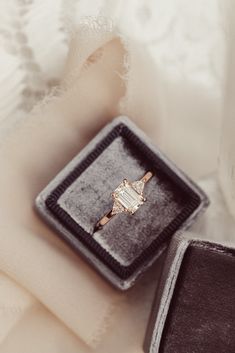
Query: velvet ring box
{"x": 76, "y": 199}
{"x": 194, "y": 308}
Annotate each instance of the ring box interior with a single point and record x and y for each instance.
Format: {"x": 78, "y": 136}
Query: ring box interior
{"x": 194, "y": 306}
{"x": 80, "y": 195}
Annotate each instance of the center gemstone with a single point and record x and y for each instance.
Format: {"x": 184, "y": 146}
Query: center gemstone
{"x": 128, "y": 197}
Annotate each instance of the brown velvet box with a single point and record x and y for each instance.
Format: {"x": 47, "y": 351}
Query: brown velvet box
{"x": 194, "y": 309}
{"x": 80, "y": 195}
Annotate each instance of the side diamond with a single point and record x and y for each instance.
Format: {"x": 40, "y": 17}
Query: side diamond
{"x": 138, "y": 186}
{"x": 117, "y": 208}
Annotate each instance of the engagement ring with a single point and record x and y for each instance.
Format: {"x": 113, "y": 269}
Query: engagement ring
{"x": 127, "y": 197}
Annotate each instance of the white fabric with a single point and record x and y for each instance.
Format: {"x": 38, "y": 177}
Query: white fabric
{"x": 159, "y": 62}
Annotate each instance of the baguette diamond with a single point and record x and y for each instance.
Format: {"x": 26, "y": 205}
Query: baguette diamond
{"x": 127, "y": 196}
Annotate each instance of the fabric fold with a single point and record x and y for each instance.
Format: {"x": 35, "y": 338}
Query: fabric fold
{"x": 95, "y": 82}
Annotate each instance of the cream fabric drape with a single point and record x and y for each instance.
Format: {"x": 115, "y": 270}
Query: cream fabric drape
{"x": 97, "y": 85}
{"x": 50, "y": 299}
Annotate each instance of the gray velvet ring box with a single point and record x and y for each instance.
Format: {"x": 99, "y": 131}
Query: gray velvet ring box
{"x": 194, "y": 306}
{"x": 80, "y": 195}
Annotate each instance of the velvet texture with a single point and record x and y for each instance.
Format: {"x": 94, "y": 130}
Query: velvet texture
{"x": 93, "y": 189}
{"x": 201, "y": 314}
{"x": 81, "y": 195}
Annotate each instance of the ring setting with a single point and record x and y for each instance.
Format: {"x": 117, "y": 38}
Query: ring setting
{"x": 127, "y": 197}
